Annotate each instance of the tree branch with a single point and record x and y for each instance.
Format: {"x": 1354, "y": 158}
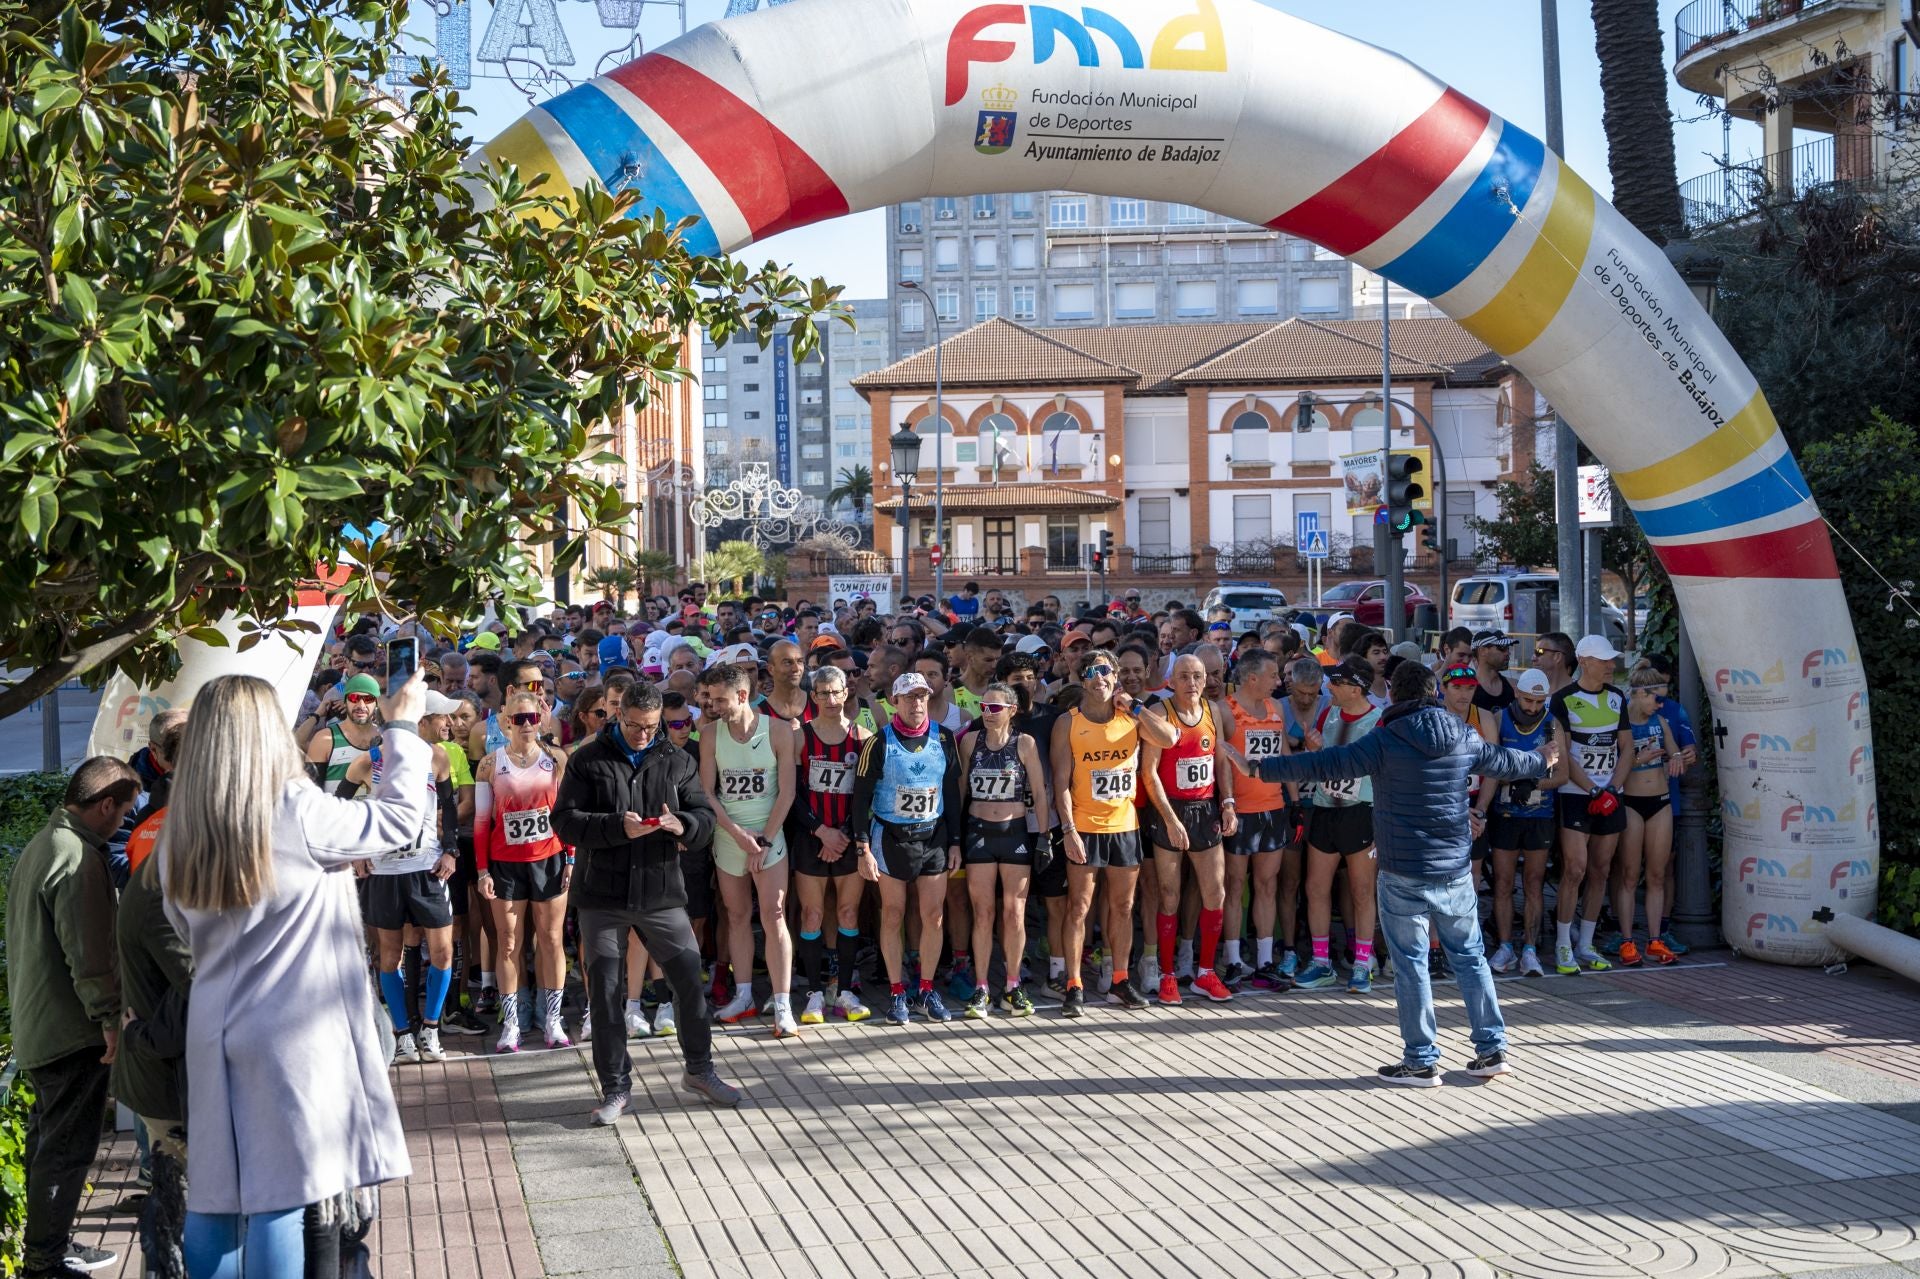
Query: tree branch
{"x": 98, "y": 647}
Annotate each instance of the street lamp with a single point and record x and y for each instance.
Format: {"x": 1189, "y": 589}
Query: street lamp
{"x": 939, "y": 450}
{"x": 906, "y": 464}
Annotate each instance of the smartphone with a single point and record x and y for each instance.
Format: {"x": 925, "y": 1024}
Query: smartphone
{"x": 403, "y": 658}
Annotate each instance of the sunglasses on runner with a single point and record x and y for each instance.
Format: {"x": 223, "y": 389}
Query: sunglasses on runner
{"x": 359, "y": 665}
{"x": 526, "y": 719}
{"x": 598, "y": 712}
{"x": 1097, "y": 671}
{"x": 994, "y": 708}
{"x": 679, "y": 725}
{"x": 360, "y": 699}
{"x": 532, "y": 685}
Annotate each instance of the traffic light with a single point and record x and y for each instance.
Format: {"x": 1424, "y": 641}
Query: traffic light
{"x": 1303, "y": 418}
{"x": 1106, "y": 546}
{"x": 1403, "y": 491}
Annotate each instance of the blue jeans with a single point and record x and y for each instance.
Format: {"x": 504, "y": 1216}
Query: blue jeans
{"x": 1406, "y": 904}
{"x": 261, "y": 1245}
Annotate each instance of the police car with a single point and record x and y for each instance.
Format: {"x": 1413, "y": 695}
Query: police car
{"x": 1251, "y": 603}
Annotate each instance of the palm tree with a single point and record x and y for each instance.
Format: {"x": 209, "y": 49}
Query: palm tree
{"x": 654, "y": 566}
{"x": 614, "y": 580}
{"x": 1639, "y": 126}
{"x": 732, "y": 562}
{"x": 855, "y": 486}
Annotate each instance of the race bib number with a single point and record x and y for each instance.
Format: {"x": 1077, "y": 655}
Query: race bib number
{"x": 743, "y": 783}
{"x": 1111, "y": 784}
{"x": 830, "y": 777}
{"x": 1345, "y": 791}
{"x": 529, "y": 826}
{"x": 919, "y": 802}
{"x": 995, "y": 785}
{"x": 1194, "y": 772}
{"x": 1598, "y": 758}
{"x": 1262, "y": 744}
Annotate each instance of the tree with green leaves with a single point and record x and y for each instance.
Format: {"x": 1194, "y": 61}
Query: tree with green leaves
{"x": 855, "y": 487}
{"x": 738, "y": 564}
{"x": 654, "y": 565}
{"x": 247, "y": 299}
{"x": 612, "y": 581}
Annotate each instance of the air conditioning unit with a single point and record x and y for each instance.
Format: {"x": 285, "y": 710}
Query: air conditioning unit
{"x": 909, "y": 228}
{"x": 946, "y": 215}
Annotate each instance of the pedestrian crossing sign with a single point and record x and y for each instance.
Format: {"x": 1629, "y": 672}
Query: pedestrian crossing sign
{"x": 1316, "y": 545}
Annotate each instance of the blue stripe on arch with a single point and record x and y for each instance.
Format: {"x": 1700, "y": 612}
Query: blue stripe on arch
{"x": 625, "y": 157}
{"x": 1471, "y": 229}
{"x": 1779, "y": 487}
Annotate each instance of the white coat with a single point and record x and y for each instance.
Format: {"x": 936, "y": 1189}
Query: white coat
{"x": 288, "y": 1100}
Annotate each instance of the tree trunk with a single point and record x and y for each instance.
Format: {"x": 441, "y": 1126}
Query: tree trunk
{"x": 1639, "y": 127}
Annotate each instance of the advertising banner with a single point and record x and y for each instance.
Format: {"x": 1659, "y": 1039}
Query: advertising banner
{"x": 1365, "y": 475}
{"x": 878, "y": 588}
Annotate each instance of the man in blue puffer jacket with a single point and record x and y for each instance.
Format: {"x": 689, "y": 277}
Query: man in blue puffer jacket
{"x": 1419, "y": 758}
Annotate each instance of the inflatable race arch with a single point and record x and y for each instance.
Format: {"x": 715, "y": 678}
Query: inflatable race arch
{"x": 808, "y": 111}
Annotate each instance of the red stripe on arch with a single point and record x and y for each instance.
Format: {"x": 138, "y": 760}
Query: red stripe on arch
{"x": 1803, "y": 551}
{"x": 775, "y": 183}
{"x": 1376, "y": 195}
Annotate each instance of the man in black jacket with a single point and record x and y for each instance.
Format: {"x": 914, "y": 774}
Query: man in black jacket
{"x": 631, "y": 803}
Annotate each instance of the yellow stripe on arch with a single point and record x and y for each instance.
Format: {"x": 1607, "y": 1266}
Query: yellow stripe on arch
{"x": 1745, "y": 434}
{"x": 1521, "y": 311}
{"x": 523, "y": 147}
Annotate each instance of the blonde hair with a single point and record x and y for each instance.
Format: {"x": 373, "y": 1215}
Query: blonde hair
{"x": 236, "y": 758}
{"x": 522, "y": 699}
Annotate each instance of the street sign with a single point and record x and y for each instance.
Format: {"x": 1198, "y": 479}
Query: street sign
{"x": 1596, "y": 497}
{"x": 1305, "y": 525}
{"x": 1315, "y": 545}
{"x": 935, "y": 555}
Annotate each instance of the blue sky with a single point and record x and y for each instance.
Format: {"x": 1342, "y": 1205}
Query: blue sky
{"x": 1488, "y": 49}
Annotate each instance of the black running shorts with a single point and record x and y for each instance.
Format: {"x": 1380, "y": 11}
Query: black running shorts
{"x": 805, "y": 847}
{"x": 1527, "y": 834}
{"x": 1344, "y": 831}
{"x": 1002, "y": 843}
{"x": 412, "y": 897}
{"x": 1120, "y": 849}
{"x": 1199, "y": 817}
{"x": 1267, "y": 832}
{"x": 1575, "y": 817}
{"x": 540, "y": 881}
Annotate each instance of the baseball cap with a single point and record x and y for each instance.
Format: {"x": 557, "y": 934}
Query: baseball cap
{"x": 734, "y": 653}
{"x": 1338, "y": 618}
{"x": 1406, "y": 650}
{"x": 1596, "y": 646}
{"x": 1459, "y": 675}
{"x": 826, "y": 640}
{"x": 362, "y": 684}
{"x": 1219, "y": 626}
{"x": 612, "y": 649}
{"x": 911, "y": 682}
{"x": 486, "y": 639}
{"x": 1493, "y": 639}
{"x": 1533, "y": 682}
{"x": 1352, "y": 671}
{"x": 439, "y": 704}
{"x": 1300, "y": 629}
{"x": 1074, "y": 639}
{"x": 1030, "y": 644}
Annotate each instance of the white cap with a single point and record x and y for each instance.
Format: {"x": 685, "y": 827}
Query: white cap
{"x": 736, "y": 653}
{"x": 1030, "y": 644}
{"x": 1300, "y": 629}
{"x": 1338, "y": 618}
{"x": 1596, "y": 646}
{"x": 1534, "y": 682}
{"x": 440, "y": 704}
{"x": 911, "y": 682}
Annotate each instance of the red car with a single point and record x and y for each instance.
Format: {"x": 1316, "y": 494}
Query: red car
{"x": 1366, "y": 602}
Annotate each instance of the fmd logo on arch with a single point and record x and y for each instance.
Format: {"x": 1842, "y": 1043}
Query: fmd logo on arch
{"x": 1829, "y": 667}
{"x": 1187, "y": 42}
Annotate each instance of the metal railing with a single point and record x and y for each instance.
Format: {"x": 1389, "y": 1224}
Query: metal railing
{"x": 1741, "y": 190}
{"x": 1153, "y": 563}
{"x": 1705, "y": 22}
{"x": 982, "y": 565}
{"x": 829, "y": 563}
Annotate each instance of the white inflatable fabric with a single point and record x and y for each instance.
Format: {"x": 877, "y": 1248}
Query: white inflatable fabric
{"x": 807, "y": 111}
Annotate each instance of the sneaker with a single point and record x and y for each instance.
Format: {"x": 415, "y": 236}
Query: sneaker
{"x": 1210, "y": 985}
{"x": 636, "y": 1023}
{"x": 586, "y": 1026}
{"x": 1270, "y": 976}
{"x": 1150, "y": 973}
{"x": 1501, "y": 961}
{"x": 489, "y": 1002}
{"x": 1074, "y": 1003}
{"x": 1018, "y": 1005}
{"x": 816, "y": 1011}
{"x": 1235, "y": 974}
{"x": 430, "y": 1049}
{"x": 556, "y": 1033}
{"x": 1530, "y": 963}
{"x": 717, "y": 993}
{"x": 708, "y": 1084}
{"x": 664, "y": 1024}
{"x": 1183, "y": 964}
{"x": 1591, "y": 959}
{"x": 1360, "y": 980}
{"x": 1289, "y": 964}
{"x": 784, "y": 1026}
{"x": 1610, "y": 943}
{"x": 1437, "y": 967}
{"x": 1124, "y": 993}
{"x": 848, "y": 1005}
{"x": 1170, "y": 989}
{"x": 404, "y": 1049}
{"x": 463, "y": 1021}
{"x": 1629, "y": 954}
{"x": 933, "y": 1006}
{"x": 960, "y": 983}
{"x": 82, "y": 1256}
{"x": 897, "y": 1012}
{"x": 1410, "y": 1076}
{"x": 739, "y": 1008}
{"x": 1673, "y": 944}
{"x": 509, "y": 1041}
{"x": 611, "y": 1107}
{"x": 1487, "y": 1065}
{"x": 977, "y": 1004}
{"x": 1057, "y": 983}
{"x": 1564, "y": 962}
{"x": 1317, "y": 975}
{"x": 1659, "y": 952}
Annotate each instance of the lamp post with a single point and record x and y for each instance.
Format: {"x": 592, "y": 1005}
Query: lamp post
{"x": 939, "y": 452}
{"x": 1694, "y": 919}
{"x": 905, "y": 444}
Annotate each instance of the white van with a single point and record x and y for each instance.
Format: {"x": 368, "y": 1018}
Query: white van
{"x": 1520, "y": 604}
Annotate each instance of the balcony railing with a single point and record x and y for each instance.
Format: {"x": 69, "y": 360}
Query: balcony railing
{"x": 1706, "y": 22}
{"x": 1730, "y": 194}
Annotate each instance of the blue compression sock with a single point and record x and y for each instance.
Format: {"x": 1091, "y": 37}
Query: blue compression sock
{"x": 439, "y": 982}
{"x": 393, "y": 988}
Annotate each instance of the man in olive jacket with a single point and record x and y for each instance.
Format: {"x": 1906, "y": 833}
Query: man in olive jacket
{"x": 64, "y": 985}
{"x": 631, "y": 804}
{"x": 150, "y": 1070}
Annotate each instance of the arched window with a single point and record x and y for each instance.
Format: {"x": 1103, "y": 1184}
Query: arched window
{"x": 999, "y": 436}
{"x": 1060, "y": 440}
{"x": 1250, "y": 437}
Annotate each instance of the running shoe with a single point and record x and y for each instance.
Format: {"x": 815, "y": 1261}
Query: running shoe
{"x": 1530, "y": 963}
{"x": 1629, "y": 954}
{"x": 816, "y": 1011}
{"x": 509, "y": 1041}
{"x": 1564, "y": 963}
{"x": 85, "y": 1257}
{"x": 897, "y": 1011}
{"x": 979, "y": 1005}
{"x": 1074, "y": 1003}
{"x": 708, "y": 1084}
{"x": 489, "y": 1003}
{"x": 1659, "y": 952}
{"x": 1057, "y": 983}
{"x": 1437, "y": 967}
{"x": 1233, "y": 974}
{"x": 717, "y": 993}
{"x": 636, "y": 1022}
{"x": 1410, "y": 1076}
{"x": 1018, "y": 1005}
{"x": 1289, "y": 963}
{"x": 404, "y": 1049}
{"x": 1150, "y": 972}
{"x": 430, "y": 1049}
{"x": 1270, "y": 977}
{"x": 784, "y": 1026}
{"x": 1360, "y": 980}
{"x": 1591, "y": 959}
{"x": 1487, "y": 1065}
{"x": 1673, "y": 944}
{"x": 1502, "y": 960}
{"x": 960, "y": 983}
{"x": 1170, "y": 989}
{"x": 586, "y": 1025}
{"x": 611, "y": 1107}
{"x": 556, "y": 1033}
{"x": 463, "y": 1021}
{"x": 848, "y": 1005}
{"x": 1316, "y": 976}
{"x": 1183, "y": 962}
{"x": 933, "y": 1006}
{"x": 663, "y": 1021}
{"x": 739, "y": 1008}
{"x": 1124, "y": 993}
{"x": 1210, "y": 985}
{"x": 1610, "y": 942}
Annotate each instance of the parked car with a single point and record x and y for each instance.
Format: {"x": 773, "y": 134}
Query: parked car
{"x": 1365, "y": 601}
{"x": 1251, "y": 603}
{"x": 1522, "y": 604}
